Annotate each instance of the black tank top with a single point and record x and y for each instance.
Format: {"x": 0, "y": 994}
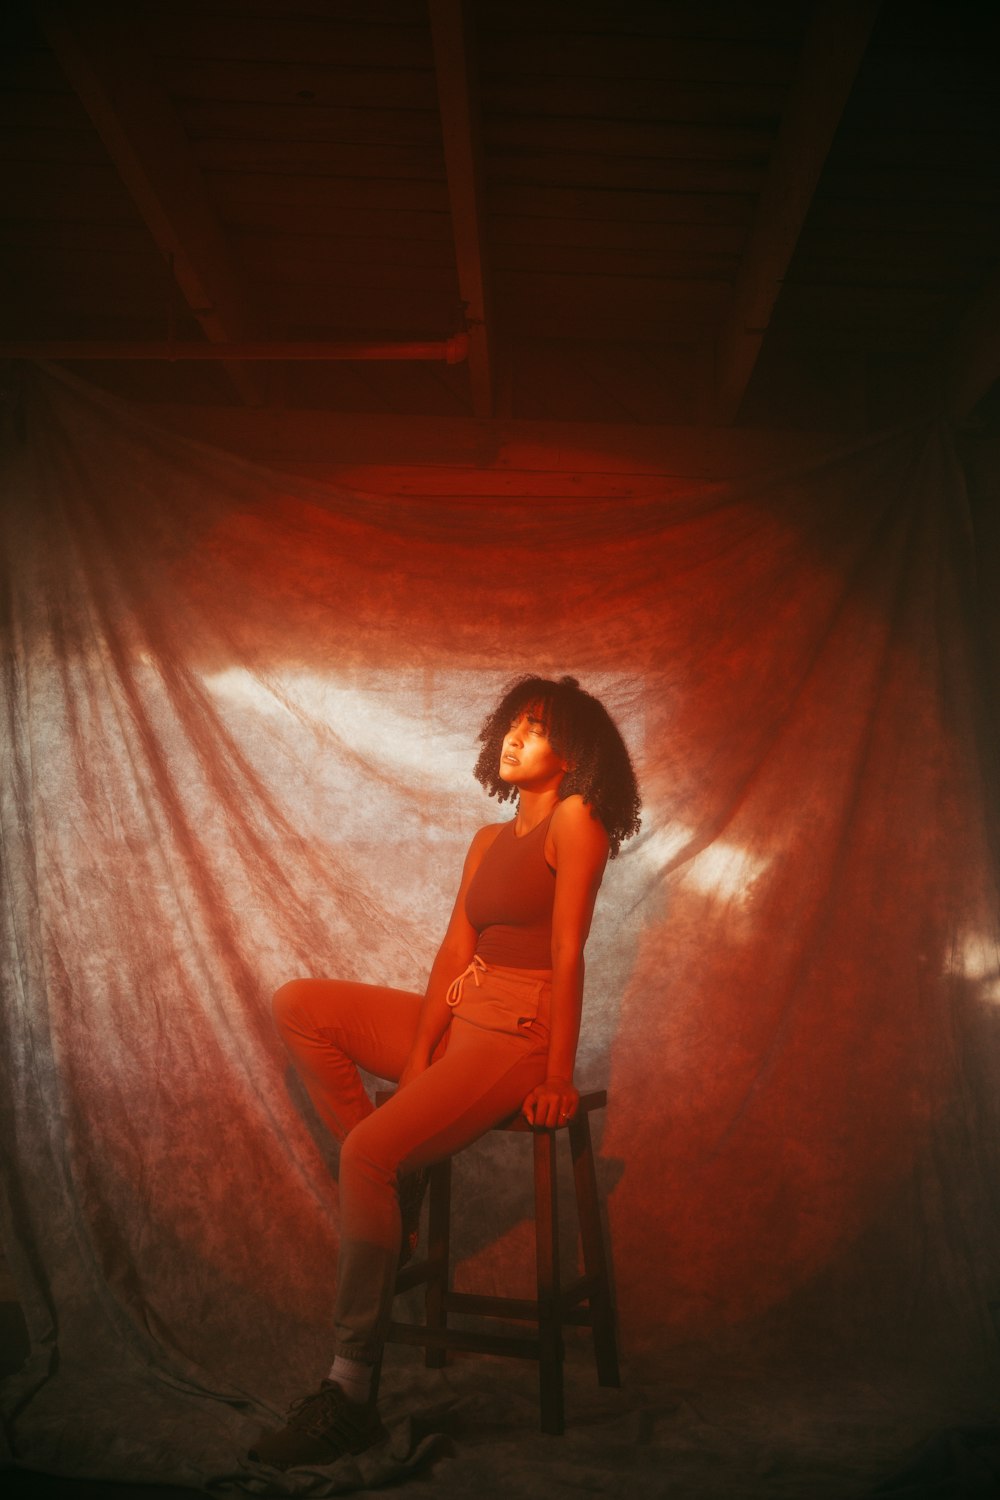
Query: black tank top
{"x": 509, "y": 900}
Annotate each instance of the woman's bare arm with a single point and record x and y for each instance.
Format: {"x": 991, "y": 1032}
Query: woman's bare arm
{"x": 581, "y": 853}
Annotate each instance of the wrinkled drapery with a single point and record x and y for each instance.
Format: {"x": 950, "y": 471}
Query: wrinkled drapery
{"x": 240, "y": 718}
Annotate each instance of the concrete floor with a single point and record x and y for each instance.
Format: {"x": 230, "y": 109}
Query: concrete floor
{"x": 19, "y": 1484}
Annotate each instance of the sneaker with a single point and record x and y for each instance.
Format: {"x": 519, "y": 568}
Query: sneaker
{"x": 321, "y": 1428}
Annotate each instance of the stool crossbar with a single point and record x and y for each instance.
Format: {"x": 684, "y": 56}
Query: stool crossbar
{"x": 585, "y": 1301}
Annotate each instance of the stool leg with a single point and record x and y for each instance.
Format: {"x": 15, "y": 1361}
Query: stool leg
{"x": 550, "y": 1375}
{"x": 439, "y": 1253}
{"x": 594, "y": 1258}
{"x": 376, "y": 1378}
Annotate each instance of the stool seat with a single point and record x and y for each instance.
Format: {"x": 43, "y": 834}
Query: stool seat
{"x": 585, "y": 1301}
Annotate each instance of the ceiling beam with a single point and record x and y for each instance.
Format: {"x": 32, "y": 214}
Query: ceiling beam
{"x": 460, "y": 127}
{"x": 973, "y": 362}
{"x": 451, "y": 351}
{"x": 98, "y": 50}
{"x": 828, "y": 64}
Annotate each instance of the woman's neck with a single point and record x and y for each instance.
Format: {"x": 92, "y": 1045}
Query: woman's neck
{"x": 533, "y": 808}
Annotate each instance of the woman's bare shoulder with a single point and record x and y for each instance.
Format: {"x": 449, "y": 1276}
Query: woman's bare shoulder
{"x": 572, "y": 811}
{"x": 574, "y": 820}
{"x": 484, "y": 837}
{"x": 571, "y": 807}
{"x": 482, "y": 840}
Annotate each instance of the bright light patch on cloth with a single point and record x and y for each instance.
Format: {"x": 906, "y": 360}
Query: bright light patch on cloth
{"x": 976, "y": 956}
{"x": 371, "y": 721}
{"x": 721, "y": 868}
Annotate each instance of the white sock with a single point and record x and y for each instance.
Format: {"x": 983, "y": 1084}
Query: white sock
{"x": 355, "y": 1380}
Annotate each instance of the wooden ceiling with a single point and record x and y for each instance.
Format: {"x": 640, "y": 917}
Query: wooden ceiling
{"x": 638, "y": 211}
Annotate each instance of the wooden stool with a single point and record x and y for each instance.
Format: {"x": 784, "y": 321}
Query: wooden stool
{"x": 585, "y": 1301}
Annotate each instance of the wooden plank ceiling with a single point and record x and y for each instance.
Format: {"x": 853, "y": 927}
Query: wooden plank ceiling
{"x": 762, "y": 212}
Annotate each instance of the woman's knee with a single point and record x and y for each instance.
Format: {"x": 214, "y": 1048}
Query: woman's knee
{"x": 308, "y": 1007}
{"x": 286, "y": 1003}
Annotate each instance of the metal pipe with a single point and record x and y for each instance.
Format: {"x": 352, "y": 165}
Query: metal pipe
{"x": 452, "y": 351}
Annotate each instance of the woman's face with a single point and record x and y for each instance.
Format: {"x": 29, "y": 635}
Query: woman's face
{"x": 527, "y": 759}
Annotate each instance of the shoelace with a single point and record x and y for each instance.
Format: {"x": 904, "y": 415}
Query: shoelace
{"x": 457, "y": 986}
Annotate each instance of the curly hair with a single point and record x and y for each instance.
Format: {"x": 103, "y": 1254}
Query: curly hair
{"x": 581, "y": 731}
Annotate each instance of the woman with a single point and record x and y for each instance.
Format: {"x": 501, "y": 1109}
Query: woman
{"x": 496, "y": 1030}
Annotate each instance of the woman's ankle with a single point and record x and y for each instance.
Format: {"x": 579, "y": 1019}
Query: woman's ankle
{"x": 354, "y": 1379}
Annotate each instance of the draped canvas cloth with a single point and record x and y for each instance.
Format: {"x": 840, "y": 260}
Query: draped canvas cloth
{"x": 240, "y": 719}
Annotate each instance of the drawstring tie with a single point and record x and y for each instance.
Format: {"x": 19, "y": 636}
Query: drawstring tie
{"x": 475, "y": 968}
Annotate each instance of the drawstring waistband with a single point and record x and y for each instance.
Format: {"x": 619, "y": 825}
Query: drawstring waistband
{"x": 475, "y": 968}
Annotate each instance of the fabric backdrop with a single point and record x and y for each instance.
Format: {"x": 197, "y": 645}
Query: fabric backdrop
{"x": 240, "y": 719}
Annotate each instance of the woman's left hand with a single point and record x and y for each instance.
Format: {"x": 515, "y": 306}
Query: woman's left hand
{"x": 551, "y": 1103}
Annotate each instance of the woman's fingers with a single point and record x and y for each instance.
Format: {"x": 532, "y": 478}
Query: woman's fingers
{"x": 547, "y": 1108}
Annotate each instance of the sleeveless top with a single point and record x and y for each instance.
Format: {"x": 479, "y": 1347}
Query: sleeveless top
{"x": 510, "y": 898}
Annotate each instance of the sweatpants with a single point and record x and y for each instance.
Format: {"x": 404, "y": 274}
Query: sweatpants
{"x": 493, "y": 1053}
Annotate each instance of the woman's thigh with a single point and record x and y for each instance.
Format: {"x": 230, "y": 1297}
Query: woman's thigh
{"x": 481, "y": 1079}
